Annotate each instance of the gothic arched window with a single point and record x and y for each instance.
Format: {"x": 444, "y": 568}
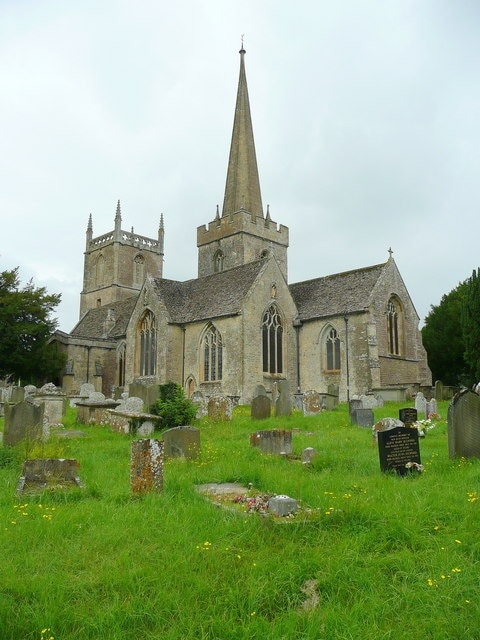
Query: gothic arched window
{"x": 212, "y": 349}
{"x": 394, "y": 326}
{"x": 147, "y": 342}
{"x": 272, "y": 341}
{"x": 332, "y": 350}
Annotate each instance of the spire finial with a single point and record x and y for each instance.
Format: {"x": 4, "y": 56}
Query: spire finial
{"x": 242, "y": 50}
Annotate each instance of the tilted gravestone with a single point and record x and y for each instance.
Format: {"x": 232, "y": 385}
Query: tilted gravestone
{"x": 261, "y": 408}
{"x": 182, "y": 442}
{"x": 311, "y": 403}
{"x": 146, "y": 466}
{"x": 464, "y": 425}
{"x": 276, "y": 441}
{"x": 408, "y": 416}
{"x": 283, "y": 404}
{"x": 398, "y": 450}
{"x": 23, "y": 421}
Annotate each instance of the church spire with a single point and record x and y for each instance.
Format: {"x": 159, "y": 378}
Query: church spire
{"x": 242, "y": 189}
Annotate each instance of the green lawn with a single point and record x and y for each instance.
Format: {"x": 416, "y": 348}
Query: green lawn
{"x": 370, "y": 556}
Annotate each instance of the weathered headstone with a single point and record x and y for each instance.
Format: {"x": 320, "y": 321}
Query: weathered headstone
{"x": 282, "y": 505}
{"x": 17, "y": 395}
{"x": 399, "y": 450}
{"x": 283, "y": 405}
{"x": 259, "y": 391}
{"x": 148, "y": 390}
{"x": 386, "y": 424}
{"x": 219, "y": 409}
{"x": 276, "y": 441}
{"x": 49, "y": 473}
{"x": 309, "y": 455}
{"x": 464, "y": 425}
{"x": 182, "y": 442}
{"x": 355, "y": 403}
{"x": 146, "y": 466}
{"x": 420, "y": 404}
{"x": 311, "y": 403}
{"x": 362, "y": 417}
{"x": 408, "y": 415}
{"x": 87, "y": 389}
{"x": 198, "y": 400}
{"x": 432, "y": 408}
{"x": 261, "y": 408}
{"x": 133, "y": 405}
{"x": 23, "y": 421}
{"x": 438, "y": 390}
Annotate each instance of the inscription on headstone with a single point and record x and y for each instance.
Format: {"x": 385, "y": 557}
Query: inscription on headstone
{"x": 398, "y": 448}
{"x": 408, "y": 415}
{"x": 277, "y": 441}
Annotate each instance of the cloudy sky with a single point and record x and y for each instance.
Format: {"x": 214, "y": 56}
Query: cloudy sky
{"x": 365, "y": 114}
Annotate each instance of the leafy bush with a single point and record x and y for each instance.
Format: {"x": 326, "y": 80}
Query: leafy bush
{"x": 174, "y": 408}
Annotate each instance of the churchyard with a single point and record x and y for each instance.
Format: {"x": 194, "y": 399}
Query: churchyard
{"x": 368, "y": 554}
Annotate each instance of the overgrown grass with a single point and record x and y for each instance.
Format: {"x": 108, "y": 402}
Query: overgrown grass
{"x": 379, "y": 557}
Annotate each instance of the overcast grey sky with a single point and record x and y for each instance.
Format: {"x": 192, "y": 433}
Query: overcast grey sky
{"x": 365, "y": 115}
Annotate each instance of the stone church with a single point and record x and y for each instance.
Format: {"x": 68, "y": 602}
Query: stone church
{"x": 239, "y": 323}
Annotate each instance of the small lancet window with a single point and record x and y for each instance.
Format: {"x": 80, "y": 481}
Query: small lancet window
{"x": 218, "y": 259}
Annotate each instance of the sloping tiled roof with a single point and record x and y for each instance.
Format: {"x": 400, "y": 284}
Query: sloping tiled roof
{"x": 336, "y": 294}
{"x": 213, "y": 296}
{"x": 92, "y": 323}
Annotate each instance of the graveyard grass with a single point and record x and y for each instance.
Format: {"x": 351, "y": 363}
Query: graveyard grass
{"x": 370, "y": 555}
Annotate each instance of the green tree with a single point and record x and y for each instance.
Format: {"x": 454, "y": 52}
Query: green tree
{"x": 443, "y": 338}
{"x": 175, "y": 409}
{"x": 471, "y": 326}
{"x": 26, "y": 325}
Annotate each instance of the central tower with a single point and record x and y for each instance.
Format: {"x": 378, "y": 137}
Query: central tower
{"x": 242, "y": 233}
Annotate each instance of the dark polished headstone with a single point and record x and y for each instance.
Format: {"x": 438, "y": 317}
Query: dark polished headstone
{"x": 397, "y": 448}
{"x": 408, "y": 415}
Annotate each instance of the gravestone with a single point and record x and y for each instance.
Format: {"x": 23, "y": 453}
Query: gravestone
{"x": 309, "y": 455}
{"x": 17, "y": 395}
{"x": 420, "y": 405}
{"x": 259, "y": 391}
{"x": 261, "y": 408}
{"x": 297, "y": 401}
{"x": 219, "y": 409}
{"x": 398, "y": 449}
{"x": 23, "y": 421}
{"x": 182, "y": 442}
{"x": 49, "y": 473}
{"x": 146, "y": 466}
{"x": 133, "y": 405}
{"x": 311, "y": 403}
{"x": 432, "y": 407}
{"x": 355, "y": 403}
{"x": 371, "y": 401}
{"x": 86, "y": 390}
{"x": 283, "y": 405}
{"x": 362, "y": 417}
{"x": 276, "y": 441}
{"x": 464, "y": 425}
{"x": 386, "y": 424}
{"x": 282, "y": 505}
{"x": 198, "y": 400}
{"x": 408, "y": 416}
{"x": 438, "y": 390}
